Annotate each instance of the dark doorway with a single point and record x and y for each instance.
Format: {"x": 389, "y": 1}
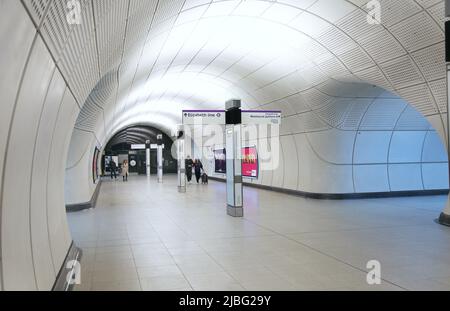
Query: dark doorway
{"x": 138, "y": 162}
{"x": 130, "y": 142}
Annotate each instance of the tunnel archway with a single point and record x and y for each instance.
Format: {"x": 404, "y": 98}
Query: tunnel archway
{"x": 353, "y": 139}
{"x": 81, "y": 186}
{"x": 121, "y": 144}
{"x": 52, "y": 67}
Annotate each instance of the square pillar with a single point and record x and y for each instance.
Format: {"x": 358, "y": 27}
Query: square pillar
{"x": 181, "y": 161}
{"x": 444, "y": 217}
{"x": 147, "y": 157}
{"x": 233, "y": 152}
{"x": 159, "y": 157}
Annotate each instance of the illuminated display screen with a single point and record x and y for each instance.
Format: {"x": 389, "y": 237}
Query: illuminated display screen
{"x": 250, "y": 162}
{"x": 250, "y": 167}
{"x": 220, "y": 161}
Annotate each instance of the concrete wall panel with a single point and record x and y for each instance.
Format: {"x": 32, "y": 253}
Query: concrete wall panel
{"x": 18, "y": 265}
{"x": 371, "y": 178}
{"x": 43, "y": 262}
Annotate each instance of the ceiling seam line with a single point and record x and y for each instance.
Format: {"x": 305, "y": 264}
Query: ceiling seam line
{"x": 355, "y": 139}
{"x": 121, "y": 61}
{"x": 140, "y": 57}
{"x": 96, "y": 39}
{"x": 151, "y": 26}
{"x": 52, "y": 56}
{"x": 408, "y": 53}
{"x": 390, "y": 145}
{"x": 160, "y": 51}
{"x": 33, "y": 154}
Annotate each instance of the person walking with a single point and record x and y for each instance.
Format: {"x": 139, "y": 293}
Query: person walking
{"x": 189, "y": 164}
{"x": 125, "y": 170}
{"x": 198, "y": 167}
{"x": 113, "y": 168}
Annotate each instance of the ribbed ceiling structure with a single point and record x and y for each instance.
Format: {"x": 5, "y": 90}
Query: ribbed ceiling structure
{"x": 134, "y": 135}
{"x": 352, "y": 93}
{"x": 142, "y": 61}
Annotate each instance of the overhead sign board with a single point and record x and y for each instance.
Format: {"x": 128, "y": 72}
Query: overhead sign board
{"x": 261, "y": 117}
{"x": 137, "y": 146}
{"x": 203, "y": 117}
{"x": 142, "y": 146}
{"x": 155, "y": 146}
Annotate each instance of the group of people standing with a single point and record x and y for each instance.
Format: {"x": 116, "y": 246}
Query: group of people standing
{"x": 190, "y": 164}
{"x": 196, "y": 165}
{"x": 113, "y": 168}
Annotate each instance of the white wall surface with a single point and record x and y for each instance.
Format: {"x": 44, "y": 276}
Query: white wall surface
{"x": 38, "y": 115}
{"x": 392, "y": 148}
{"x": 79, "y": 184}
{"x": 323, "y": 76}
{"x": 16, "y": 29}
{"x": 321, "y": 71}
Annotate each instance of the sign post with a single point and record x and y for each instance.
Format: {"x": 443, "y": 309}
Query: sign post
{"x": 233, "y": 118}
{"x": 147, "y": 157}
{"x": 181, "y": 160}
{"x": 234, "y": 166}
{"x": 159, "y": 138}
{"x": 444, "y": 217}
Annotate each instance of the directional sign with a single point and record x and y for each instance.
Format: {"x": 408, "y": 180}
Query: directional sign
{"x": 261, "y": 117}
{"x": 203, "y": 117}
{"x": 137, "y": 146}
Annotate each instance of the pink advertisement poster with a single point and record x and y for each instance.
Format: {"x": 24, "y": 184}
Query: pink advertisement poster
{"x": 250, "y": 162}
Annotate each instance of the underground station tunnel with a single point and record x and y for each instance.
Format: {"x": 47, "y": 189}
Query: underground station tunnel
{"x": 229, "y": 145}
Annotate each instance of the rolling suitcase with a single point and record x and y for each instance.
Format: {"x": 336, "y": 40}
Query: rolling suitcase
{"x": 204, "y": 178}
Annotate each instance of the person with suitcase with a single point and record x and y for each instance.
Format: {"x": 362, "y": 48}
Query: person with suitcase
{"x": 198, "y": 167}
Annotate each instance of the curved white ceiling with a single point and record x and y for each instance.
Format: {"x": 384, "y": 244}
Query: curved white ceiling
{"x": 142, "y": 61}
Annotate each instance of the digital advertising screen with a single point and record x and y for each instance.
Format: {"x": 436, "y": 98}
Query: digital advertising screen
{"x": 250, "y": 162}
{"x": 220, "y": 160}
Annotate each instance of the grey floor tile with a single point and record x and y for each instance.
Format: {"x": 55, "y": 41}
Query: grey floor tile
{"x": 144, "y": 235}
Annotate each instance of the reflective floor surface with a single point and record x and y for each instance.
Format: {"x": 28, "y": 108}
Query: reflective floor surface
{"x": 146, "y": 236}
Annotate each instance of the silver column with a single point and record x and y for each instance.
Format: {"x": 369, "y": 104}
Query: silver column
{"x": 160, "y": 158}
{"x": 147, "y": 157}
{"x": 181, "y": 161}
{"x": 444, "y": 218}
{"x": 234, "y": 164}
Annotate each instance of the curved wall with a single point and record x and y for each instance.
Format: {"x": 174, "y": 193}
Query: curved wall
{"x": 134, "y": 60}
{"x": 37, "y": 119}
{"x": 376, "y": 145}
{"x": 79, "y": 182}
{"x": 144, "y": 61}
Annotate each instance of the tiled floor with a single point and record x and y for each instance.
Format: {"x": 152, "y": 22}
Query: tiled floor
{"x": 147, "y": 236}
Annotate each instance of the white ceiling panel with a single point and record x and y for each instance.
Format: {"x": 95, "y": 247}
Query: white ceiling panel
{"x": 332, "y": 10}
{"x": 195, "y": 53}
